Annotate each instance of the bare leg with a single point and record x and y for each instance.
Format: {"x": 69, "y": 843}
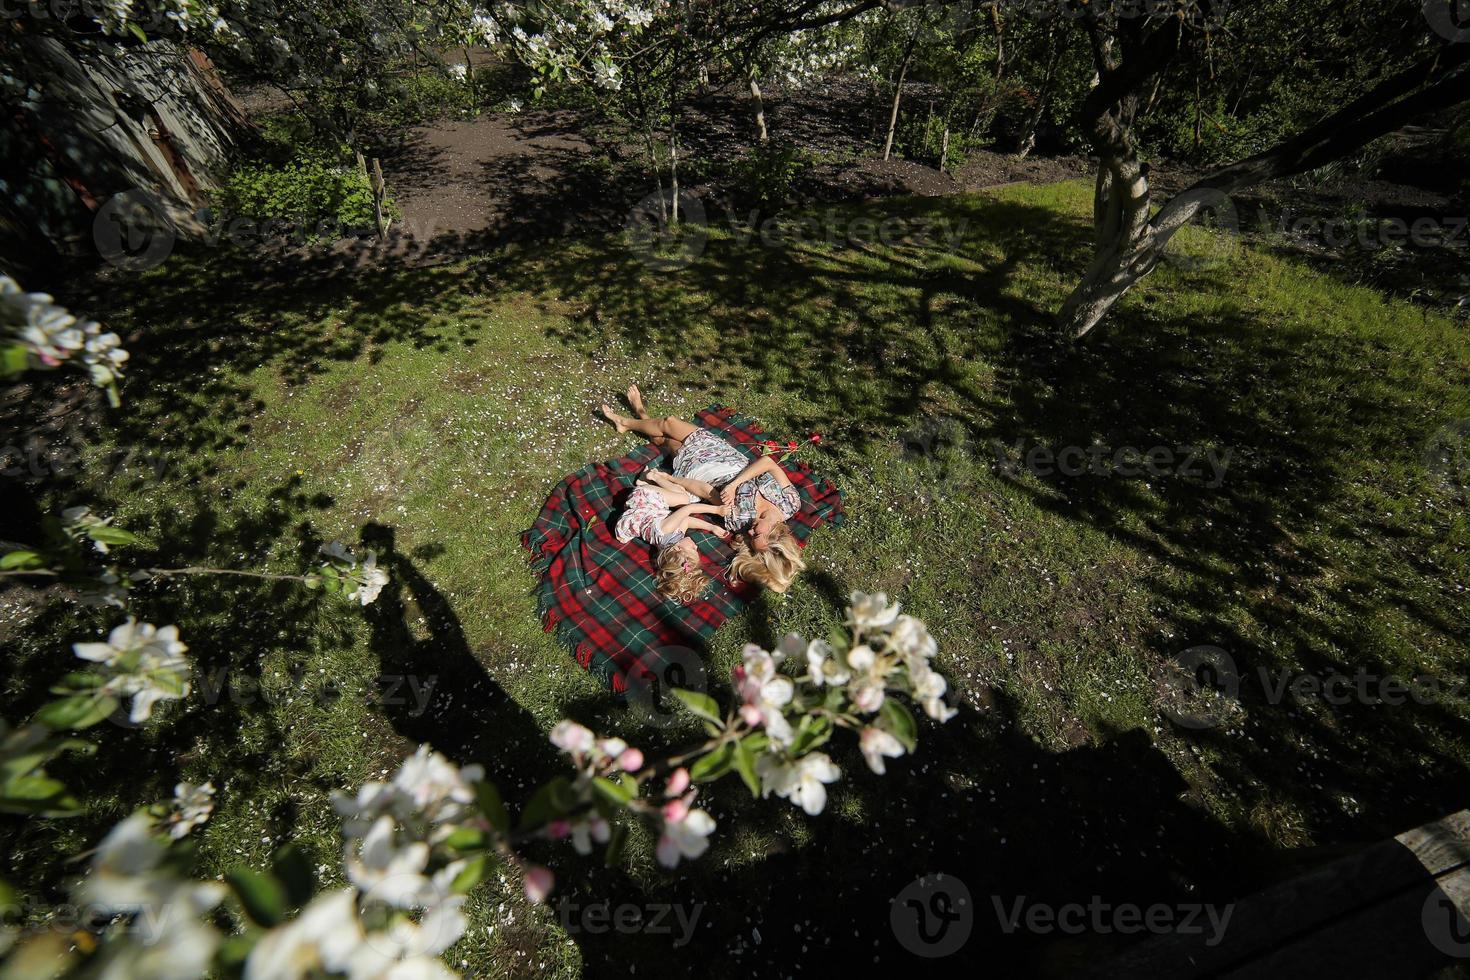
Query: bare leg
{"x": 673, "y": 497}
{"x": 672, "y": 428}
{"x": 635, "y": 401}
{"x": 699, "y": 488}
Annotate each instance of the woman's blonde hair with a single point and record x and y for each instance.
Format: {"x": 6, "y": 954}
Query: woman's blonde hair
{"x": 776, "y": 567}
{"x": 680, "y": 577}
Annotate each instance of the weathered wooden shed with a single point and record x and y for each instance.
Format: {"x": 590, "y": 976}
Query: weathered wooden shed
{"x": 87, "y": 122}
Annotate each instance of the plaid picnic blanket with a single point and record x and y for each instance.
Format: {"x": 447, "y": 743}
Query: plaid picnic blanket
{"x": 600, "y": 596}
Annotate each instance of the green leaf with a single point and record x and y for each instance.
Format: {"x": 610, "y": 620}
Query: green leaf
{"x": 20, "y": 560}
{"x": 492, "y": 806}
{"x": 813, "y": 731}
{"x": 898, "y": 721}
{"x": 615, "y": 793}
{"x": 38, "y": 794}
{"x": 713, "y": 765}
{"x": 78, "y": 711}
{"x": 543, "y": 805}
{"x": 108, "y": 534}
{"x": 467, "y": 839}
{"x": 837, "y": 636}
{"x": 13, "y": 359}
{"x": 615, "y": 844}
{"x": 701, "y": 704}
{"x": 263, "y": 897}
{"x": 236, "y": 949}
{"x": 745, "y": 765}
{"x": 474, "y": 872}
{"x": 137, "y": 32}
{"x": 292, "y": 869}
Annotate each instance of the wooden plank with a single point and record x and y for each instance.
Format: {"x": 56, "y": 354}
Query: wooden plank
{"x": 1338, "y": 903}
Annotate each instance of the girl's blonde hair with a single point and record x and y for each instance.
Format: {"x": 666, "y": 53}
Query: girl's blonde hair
{"x": 679, "y": 577}
{"x": 776, "y": 567}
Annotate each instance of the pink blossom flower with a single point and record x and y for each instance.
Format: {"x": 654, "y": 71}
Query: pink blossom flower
{"x": 538, "y": 882}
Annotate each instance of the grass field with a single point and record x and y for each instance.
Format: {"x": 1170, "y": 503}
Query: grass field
{"x": 428, "y": 412}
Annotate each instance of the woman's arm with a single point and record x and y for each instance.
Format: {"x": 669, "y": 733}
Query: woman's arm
{"x": 766, "y": 464}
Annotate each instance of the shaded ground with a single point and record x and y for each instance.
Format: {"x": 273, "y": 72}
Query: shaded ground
{"x": 427, "y": 412}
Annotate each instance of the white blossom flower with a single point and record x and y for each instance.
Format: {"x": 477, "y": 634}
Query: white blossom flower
{"x": 370, "y": 580}
{"x": 127, "y": 877}
{"x": 875, "y": 744}
{"x": 323, "y": 937}
{"x": 584, "y": 832}
{"x": 191, "y": 808}
{"x": 802, "y": 782}
{"x": 929, "y": 687}
{"x": 911, "y": 638}
{"x": 607, "y": 75}
{"x": 824, "y": 666}
{"x": 871, "y": 611}
{"x": 144, "y": 662}
{"x": 638, "y": 17}
{"x": 685, "y": 835}
{"x": 435, "y": 786}
{"x": 572, "y": 738}
{"x": 764, "y": 694}
{"x": 459, "y": 72}
{"x": 387, "y": 870}
{"x": 869, "y": 681}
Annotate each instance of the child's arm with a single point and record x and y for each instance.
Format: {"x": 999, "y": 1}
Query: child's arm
{"x": 766, "y": 464}
{"x": 699, "y": 524}
{"x": 684, "y": 518}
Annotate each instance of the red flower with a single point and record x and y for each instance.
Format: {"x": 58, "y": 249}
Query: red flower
{"x": 791, "y": 446}
{"x": 815, "y": 437}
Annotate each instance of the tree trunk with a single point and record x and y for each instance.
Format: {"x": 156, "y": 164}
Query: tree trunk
{"x": 1128, "y": 244}
{"x": 903, "y": 70}
{"x": 944, "y": 150}
{"x": 760, "y": 108}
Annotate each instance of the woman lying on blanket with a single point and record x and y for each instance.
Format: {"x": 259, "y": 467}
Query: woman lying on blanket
{"x": 757, "y": 498}
{"x": 663, "y": 518}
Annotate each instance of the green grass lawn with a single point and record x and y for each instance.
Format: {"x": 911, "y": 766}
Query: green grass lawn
{"x": 429, "y": 412}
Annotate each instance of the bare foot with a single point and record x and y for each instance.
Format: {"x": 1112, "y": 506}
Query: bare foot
{"x": 619, "y": 423}
{"x": 635, "y": 401}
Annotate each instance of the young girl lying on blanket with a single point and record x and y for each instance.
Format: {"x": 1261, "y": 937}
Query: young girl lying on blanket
{"x": 663, "y": 518}
{"x": 756, "y": 498}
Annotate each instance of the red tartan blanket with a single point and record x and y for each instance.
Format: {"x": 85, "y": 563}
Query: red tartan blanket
{"x": 599, "y": 595}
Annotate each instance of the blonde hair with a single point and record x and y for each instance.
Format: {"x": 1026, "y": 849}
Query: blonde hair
{"x": 776, "y": 567}
{"x": 680, "y": 577}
